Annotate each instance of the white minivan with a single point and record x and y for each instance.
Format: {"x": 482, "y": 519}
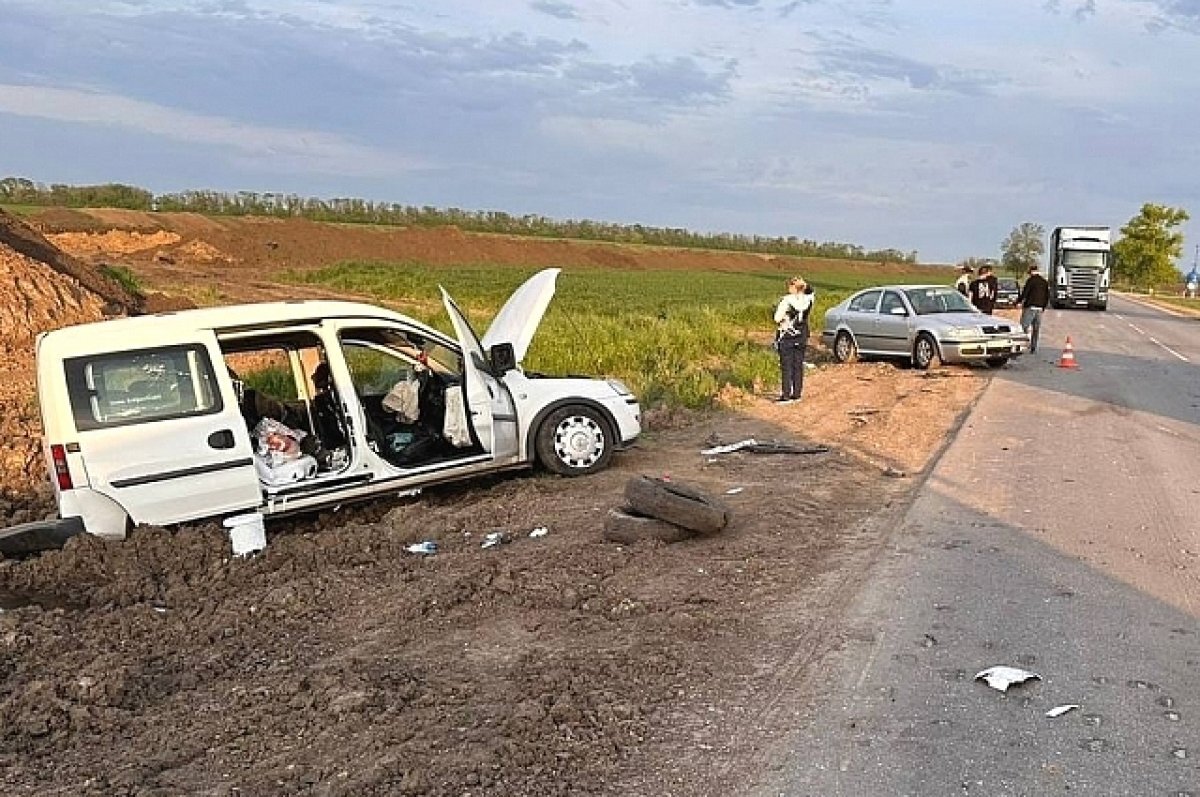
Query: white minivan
{"x": 296, "y": 405}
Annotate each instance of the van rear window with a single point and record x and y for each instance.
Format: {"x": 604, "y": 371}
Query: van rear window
{"x": 141, "y": 386}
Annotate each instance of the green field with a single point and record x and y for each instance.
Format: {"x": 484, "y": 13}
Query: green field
{"x": 675, "y": 337}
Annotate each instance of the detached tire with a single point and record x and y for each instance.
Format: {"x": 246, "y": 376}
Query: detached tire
{"x": 676, "y": 503}
{"x": 574, "y": 440}
{"x": 625, "y": 527}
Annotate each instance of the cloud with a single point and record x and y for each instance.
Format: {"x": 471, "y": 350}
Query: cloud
{"x": 555, "y": 8}
{"x": 308, "y": 150}
{"x": 857, "y": 64}
{"x": 728, "y": 3}
{"x": 1178, "y": 14}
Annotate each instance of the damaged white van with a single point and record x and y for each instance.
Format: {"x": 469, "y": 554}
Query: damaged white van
{"x": 292, "y": 406}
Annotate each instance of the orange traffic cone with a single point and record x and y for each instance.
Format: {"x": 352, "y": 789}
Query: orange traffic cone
{"x": 1068, "y": 356}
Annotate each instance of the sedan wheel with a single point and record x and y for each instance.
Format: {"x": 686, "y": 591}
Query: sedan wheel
{"x": 924, "y": 351}
{"x": 844, "y": 348}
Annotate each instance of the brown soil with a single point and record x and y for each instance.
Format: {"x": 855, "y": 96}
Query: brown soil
{"x": 337, "y": 663}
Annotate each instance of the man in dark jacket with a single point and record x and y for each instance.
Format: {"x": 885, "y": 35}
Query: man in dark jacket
{"x": 1033, "y": 299}
{"x": 983, "y": 290}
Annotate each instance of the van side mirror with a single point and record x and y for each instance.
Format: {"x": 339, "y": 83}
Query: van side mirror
{"x": 503, "y": 358}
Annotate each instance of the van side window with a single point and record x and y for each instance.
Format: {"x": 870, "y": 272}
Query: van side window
{"x": 141, "y": 386}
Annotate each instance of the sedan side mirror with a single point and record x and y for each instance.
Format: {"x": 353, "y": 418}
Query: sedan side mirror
{"x": 898, "y": 311}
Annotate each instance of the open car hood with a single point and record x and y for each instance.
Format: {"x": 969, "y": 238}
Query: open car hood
{"x": 520, "y": 316}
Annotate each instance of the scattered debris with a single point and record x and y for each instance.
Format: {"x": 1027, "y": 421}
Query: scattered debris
{"x": 680, "y": 504}
{"x": 247, "y": 533}
{"x": 894, "y": 473}
{"x": 1002, "y": 677}
{"x": 1058, "y": 711}
{"x": 540, "y": 531}
{"x": 494, "y": 538}
{"x": 734, "y": 490}
{"x": 767, "y": 447}
{"x": 427, "y": 547}
{"x": 627, "y": 527}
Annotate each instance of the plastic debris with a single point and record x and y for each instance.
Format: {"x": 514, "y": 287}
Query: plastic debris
{"x": 427, "y": 547}
{"x": 540, "y": 531}
{"x": 1002, "y": 677}
{"x": 1058, "y": 711}
{"x": 768, "y": 447}
{"x": 730, "y": 448}
{"x": 734, "y": 490}
{"x": 493, "y": 539}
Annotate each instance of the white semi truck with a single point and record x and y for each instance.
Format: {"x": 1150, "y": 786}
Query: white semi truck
{"x": 1080, "y": 266}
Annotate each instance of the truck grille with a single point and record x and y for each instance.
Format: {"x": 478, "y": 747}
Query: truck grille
{"x": 1084, "y": 284}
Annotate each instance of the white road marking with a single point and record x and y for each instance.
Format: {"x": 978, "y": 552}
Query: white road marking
{"x": 1169, "y": 349}
{"x": 1136, "y": 328}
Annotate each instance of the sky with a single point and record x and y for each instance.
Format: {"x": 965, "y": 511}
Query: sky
{"x": 929, "y": 125}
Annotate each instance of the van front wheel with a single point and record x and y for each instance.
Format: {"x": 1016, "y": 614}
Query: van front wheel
{"x": 574, "y": 440}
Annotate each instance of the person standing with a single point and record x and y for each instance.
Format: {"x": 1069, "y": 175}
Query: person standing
{"x": 791, "y": 337}
{"x": 983, "y": 290}
{"x": 1033, "y": 299}
{"x": 963, "y": 283}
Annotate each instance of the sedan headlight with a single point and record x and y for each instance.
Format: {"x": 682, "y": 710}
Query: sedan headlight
{"x": 619, "y": 387}
{"x": 958, "y": 333}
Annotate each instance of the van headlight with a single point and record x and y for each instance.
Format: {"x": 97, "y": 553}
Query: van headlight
{"x": 619, "y": 386}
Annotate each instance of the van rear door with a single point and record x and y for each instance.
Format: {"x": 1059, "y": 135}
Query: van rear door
{"x": 160, "y": 431}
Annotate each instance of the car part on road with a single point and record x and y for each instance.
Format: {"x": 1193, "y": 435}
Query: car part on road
{"x": 676, "y": 503}
{"x": 1001, "y": 677}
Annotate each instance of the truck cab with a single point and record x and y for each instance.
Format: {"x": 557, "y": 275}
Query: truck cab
{"x": 1080, "y": 267}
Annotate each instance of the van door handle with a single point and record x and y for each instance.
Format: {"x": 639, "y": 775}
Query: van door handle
{"x": 221, "y": 439}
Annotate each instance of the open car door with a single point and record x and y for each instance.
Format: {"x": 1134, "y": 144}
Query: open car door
{"x": 490, "y": 408}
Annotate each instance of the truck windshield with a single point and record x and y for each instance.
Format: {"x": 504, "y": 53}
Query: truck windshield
{"x": 927, "y": 301}
{"x": 1075, "y": 258}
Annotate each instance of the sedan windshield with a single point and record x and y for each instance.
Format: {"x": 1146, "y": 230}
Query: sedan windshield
{"x": 927, "y": 301}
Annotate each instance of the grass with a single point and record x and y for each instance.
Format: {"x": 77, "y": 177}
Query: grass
{"x": 127, "y": 279}
{"x": 675, "y": 337}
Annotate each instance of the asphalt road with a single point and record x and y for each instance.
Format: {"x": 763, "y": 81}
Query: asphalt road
{"x": 1059, "y": 533}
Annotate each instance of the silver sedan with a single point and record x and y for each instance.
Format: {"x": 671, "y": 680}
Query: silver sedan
{"x": 920, "y": 323}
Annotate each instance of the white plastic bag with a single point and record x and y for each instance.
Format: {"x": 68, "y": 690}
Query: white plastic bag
{"x": 277, "y": 443}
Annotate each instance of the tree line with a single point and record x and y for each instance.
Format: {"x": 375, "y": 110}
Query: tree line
{"x": 21, "y": 191}
{"x": 1142, "y": 257}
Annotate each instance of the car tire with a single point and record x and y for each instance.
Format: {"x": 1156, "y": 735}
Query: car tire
{"x": 676, "y": 503}
{"x": 925, "y": 352}
{"x": 574, "y": 440}
{"x": 845, "y": 350}
{"x": 627, "y": 527}
{"x": 996, "y": 362}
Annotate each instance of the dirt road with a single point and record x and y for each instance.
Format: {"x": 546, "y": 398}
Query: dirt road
{"x": 337, "y": 663}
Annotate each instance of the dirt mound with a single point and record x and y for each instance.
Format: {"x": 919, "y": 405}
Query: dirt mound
{"x": 24, "y": 240}
{"x": 111, "y": 242}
